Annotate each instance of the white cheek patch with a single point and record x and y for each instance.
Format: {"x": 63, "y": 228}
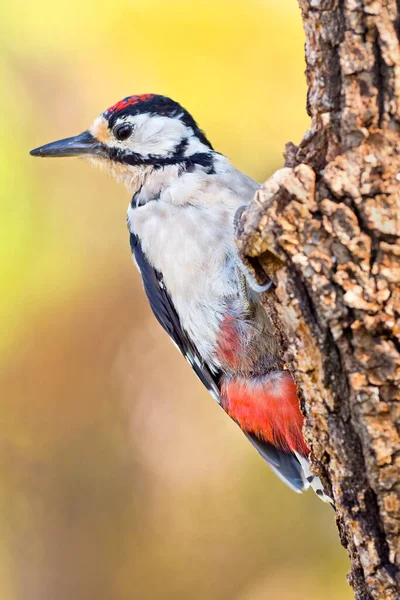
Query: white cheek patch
{"x": 152, "y": 135}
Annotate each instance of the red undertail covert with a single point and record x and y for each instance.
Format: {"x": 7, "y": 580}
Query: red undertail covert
{"x": 268, "y": 407}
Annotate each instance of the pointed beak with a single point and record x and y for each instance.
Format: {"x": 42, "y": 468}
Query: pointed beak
{"x": 83, "y": 144}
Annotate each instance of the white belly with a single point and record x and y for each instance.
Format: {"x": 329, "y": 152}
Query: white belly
{"x": 194, "y": 250}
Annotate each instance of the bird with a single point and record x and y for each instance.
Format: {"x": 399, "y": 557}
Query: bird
{"x": 185, "y": 196}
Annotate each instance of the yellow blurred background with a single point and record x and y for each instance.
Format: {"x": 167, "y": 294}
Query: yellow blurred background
{"x": 120, "y": 477}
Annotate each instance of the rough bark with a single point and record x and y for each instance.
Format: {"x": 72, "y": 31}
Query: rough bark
{"x": 326, "y": 228}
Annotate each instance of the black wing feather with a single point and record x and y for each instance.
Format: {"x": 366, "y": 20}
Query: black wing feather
{"x": 166, "y": 315}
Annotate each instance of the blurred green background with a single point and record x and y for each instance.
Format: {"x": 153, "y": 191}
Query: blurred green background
{"x": 120, "y": 477}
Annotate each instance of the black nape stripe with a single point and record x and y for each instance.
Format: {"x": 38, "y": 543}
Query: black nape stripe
{"x": 202, "y": 159}
{"x": 181, "y": 147}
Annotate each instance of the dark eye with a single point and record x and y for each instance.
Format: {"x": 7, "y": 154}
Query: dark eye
{"x": 123, "y": 131}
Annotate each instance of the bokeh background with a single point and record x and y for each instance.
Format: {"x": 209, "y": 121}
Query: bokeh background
{"x": 120, "y": 477}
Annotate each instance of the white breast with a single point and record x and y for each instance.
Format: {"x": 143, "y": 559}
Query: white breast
{"x": 187, "y": 235}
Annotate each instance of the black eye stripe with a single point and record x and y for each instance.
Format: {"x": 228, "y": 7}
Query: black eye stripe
{"x": 123, "y": 131}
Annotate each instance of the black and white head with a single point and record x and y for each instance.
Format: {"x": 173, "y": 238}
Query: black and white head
{"x": 137, "y": 134}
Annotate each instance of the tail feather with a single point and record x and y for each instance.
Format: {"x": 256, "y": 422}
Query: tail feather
{"x": 312, "y": 480}
{"x": 284, "y": 464}
{"x": 292, "y": 468}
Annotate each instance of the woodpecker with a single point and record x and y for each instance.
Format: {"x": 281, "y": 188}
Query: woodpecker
{"x": 181, "y": 222}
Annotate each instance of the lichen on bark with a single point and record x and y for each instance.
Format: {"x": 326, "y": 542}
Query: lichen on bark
{"x": 326, "y": 228}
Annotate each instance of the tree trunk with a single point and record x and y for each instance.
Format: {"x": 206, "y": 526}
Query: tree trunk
{"x": 326, "y": 229}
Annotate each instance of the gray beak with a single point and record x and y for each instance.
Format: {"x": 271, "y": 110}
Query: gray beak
{"x": 79, "y": 145}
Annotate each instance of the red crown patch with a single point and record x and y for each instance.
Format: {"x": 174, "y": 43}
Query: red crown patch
{"x": 129, "y": 101}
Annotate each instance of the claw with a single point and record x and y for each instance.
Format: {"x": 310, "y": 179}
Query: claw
{"x": 256, "y": 279}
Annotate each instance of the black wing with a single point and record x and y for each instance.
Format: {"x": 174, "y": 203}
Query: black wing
{"x": 166, "y": 315}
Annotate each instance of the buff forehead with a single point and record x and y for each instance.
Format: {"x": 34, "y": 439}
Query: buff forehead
{"x": 99, "y": 129}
